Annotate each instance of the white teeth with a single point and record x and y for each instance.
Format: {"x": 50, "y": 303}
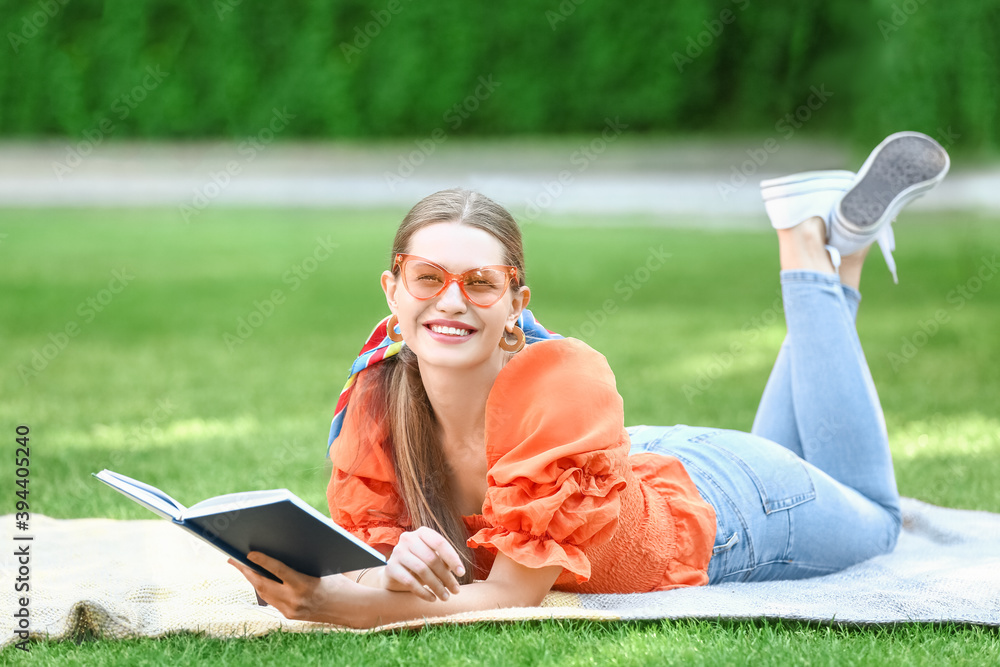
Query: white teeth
{"x": 451, "y": 331}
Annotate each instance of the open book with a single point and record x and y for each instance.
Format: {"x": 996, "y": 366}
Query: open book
{"x": 277, "y": 523}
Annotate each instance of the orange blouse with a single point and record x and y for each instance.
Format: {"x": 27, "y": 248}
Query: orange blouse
{"x": 562, "y": 488}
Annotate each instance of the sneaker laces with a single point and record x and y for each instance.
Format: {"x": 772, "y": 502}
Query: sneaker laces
{"x": 835, "y": 258}
{"x": 887, "y": 242}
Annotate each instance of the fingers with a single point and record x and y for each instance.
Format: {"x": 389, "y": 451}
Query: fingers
{"x": 443, "y": 548}
{"x": 399, "y": 578}
{"x": 248, "y": 572}
{"x": 272, "y": 565}
{"x": 431, "y": 568}
{"x": 425, "y": 563}
{"x": 262, "y": 584}
{"x": 428, "y": 576}
{"x": 258, "y": 582}
{"x": 296, "y": 596}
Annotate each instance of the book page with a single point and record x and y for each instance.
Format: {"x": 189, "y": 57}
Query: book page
{"x": 144, "y": 494}
{"x": 236, "y": 501}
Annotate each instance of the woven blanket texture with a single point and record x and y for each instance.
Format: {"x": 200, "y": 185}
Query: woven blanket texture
{"x": 120, "y": 579}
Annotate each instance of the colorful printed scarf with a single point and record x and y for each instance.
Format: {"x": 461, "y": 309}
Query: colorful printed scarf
{"x": 379, "y": 347}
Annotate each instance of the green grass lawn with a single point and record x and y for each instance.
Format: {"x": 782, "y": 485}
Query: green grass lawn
{"x": 123, "y": 348}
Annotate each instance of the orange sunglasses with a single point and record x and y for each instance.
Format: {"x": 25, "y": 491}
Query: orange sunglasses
{"x": 424, "y": 279}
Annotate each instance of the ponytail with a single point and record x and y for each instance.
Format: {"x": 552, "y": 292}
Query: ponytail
{"x": 423, "y": 476}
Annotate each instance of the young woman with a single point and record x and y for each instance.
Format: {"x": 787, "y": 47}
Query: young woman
{"x": 490, "y": 471}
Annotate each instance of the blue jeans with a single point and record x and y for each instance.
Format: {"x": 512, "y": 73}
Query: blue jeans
{"x": 811, "y": 490}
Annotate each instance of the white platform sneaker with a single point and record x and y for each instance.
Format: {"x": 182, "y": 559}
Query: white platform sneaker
{"x": 790, "y": 200}
{"x": 859, "y": 209}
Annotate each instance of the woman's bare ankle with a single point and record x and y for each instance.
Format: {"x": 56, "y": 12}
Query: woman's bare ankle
{"x": 804, "y": 247}
{"x": 850, "y": 268}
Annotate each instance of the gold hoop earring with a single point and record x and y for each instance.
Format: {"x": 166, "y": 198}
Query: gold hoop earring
{"x": 515, "y": 346}
{"x": 390, "y": 330}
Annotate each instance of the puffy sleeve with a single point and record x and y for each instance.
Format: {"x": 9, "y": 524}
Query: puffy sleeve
{"x": 362, "y": 491}
{"x": 558, "y": 454}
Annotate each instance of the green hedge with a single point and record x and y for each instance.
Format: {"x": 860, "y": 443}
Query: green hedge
{"x": 351, "y": 68}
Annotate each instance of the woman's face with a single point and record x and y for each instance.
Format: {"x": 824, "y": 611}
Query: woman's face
{"x": 448, "y": 330}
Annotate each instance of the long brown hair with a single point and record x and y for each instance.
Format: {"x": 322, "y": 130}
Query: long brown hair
{"x": 423, "y": 477}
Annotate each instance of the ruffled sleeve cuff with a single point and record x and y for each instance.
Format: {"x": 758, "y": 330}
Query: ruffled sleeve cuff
{"x": 378, "y": 534}
{"x": 533, "y": 551}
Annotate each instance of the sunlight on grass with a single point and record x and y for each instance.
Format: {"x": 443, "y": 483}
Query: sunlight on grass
{"x": 972, "y": 434}
{"x": 949, "y": 460}
{"x": 185, "y": 431}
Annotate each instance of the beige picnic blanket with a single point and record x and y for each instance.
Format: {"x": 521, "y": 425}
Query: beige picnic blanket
{"x": 149, "y": 578}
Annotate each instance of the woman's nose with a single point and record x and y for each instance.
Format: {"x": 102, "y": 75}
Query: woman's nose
{"x": 452, "y": 298}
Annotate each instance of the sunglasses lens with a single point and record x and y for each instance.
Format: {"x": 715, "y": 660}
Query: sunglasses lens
{"x": 422, "y": 280}
{"x": 485, "y": 286}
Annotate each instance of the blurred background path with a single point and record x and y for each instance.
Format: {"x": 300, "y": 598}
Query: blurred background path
{"x": 705, "y": 180}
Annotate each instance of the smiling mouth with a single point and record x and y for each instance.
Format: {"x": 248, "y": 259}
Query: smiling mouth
{"x": 449, "y": 331}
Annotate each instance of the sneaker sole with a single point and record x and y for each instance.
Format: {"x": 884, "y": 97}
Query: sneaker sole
{"x": 899, "y": 170}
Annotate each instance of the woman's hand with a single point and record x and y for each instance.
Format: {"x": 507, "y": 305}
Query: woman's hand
{"x": 297, "y": 596}
{"x": 425, "y": 564}
{"x": 336, "y": 599}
